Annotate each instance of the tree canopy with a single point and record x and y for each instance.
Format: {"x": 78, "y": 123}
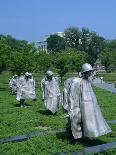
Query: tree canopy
{"x": 66, "y": 53}
{"x": 55, "y": 43}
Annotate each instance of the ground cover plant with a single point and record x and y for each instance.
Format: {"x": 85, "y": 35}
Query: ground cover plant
{"x": 109, "y": 77}
{"x": 17, "y": 121}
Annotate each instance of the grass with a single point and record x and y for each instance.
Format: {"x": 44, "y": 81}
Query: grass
{"x": 109, "y": 77}
{"x": 17, "y": 121}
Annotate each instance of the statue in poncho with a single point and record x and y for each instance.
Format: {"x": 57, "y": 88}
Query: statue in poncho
{"x": 13, "y": 84}
{"x": 80, "y": 102}
{"x": 26, "y": 89}
{"x": 51, "y": 91}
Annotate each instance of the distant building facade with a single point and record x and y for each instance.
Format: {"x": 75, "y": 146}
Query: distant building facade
{"x": 42, "y": 45}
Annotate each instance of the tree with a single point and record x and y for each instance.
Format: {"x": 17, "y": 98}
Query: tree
{"x": 76, "y": 60}
{"x": 108, "y": 59}
{"x": 16, "y": 55}
{"x": 55, "y": 43}
{"x": 44, "y": 62}
{"x": 111, "y": 44}
{"x": 72, "y": 36}
{"x": 97, "y": 45}
{"x": 85, "y": 39}
{"x": 61, "y": 63}
{"x": 92, "y": 44}
{"x": 21, "y": 62}
{"x": 21, "y": 57}
{"x": 70, "y": 60}
{"x": 4, "y": 53}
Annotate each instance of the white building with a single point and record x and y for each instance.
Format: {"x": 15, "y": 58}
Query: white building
{"x": 61, "y": 34}
{"x": 42, "y": 45}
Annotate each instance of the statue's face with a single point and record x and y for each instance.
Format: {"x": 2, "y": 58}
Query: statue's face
{"x": 27, "y": 77}
{"x": 30, "y": 76}
{"x": 87, "y": 74}
{"x": 49, "y": 77}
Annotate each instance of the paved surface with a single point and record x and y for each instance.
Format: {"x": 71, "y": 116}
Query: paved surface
{"x": 27, "y": 136}
{"x": 114, "y": 121}
{"x": 99, "y": 148}
{"x": 106, "y": 86}
{"x": 93, "y": 149}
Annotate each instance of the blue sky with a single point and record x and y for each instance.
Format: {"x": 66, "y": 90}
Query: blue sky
{"x": 32, "y": 19}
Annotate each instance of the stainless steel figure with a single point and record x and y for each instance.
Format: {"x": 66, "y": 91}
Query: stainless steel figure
{"x": 13, "y": 84}
{"x": 26, "y": 89}
{"x": 81, "y": 104}
{"x": 51, "y": 91}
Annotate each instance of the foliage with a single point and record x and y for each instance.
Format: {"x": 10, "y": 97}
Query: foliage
{"x": 70, "y": 60}
{"x": 55, "y": 43}
{"x": 92, "y": 44}
{"x": 84, "y": 40}
{"x": 19, "y": 62}
{"x": 108, "y": 59}
{"x": 83, "y": 45}
{"x": 76, "y": 60}
{"x": 72, "y": 36}
{"x": 4, "y": 53}
{"x": 111, "y": 44}
{"x": 44, "y": 62}
{"x": 61, "y": 63}
{"x": 96, "y": 45}
{"x": 16, "y": 55}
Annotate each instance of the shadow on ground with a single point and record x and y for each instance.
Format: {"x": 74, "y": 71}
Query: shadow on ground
{"x": 25, "y": 105}
{"x": 45, "y": 112}
{"x": 86, "y": 142}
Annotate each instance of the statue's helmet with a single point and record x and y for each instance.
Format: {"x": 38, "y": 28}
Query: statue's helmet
{"x": 26, "y": 74}
{"x": 86, "y": 67}
{"x": 15, "y": 76}
{"x": 49, "y": 73}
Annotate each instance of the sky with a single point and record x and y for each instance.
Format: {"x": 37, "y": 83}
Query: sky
{"x": 31, "y": 20}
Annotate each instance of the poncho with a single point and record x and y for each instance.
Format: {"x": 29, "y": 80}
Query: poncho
{"x": 51, "y": 93}
{"x": 81, "y": 104}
